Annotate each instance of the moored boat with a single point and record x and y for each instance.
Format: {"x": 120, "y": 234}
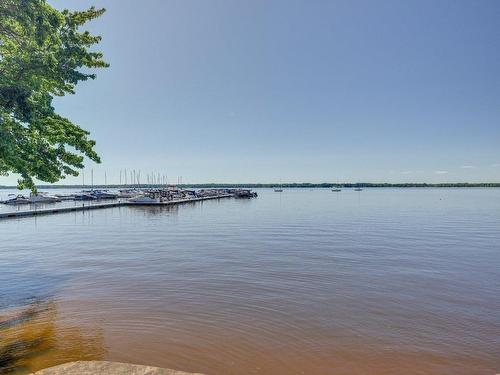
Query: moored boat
{"x": 43, "y": 198}
{"x": 244, "y": 193}
{"x": 103, "y": 194}
{"x": 129, "y": 193}
{"x": 152, "y": 197}
{"x": 84, "y": 197}
{"x": 65, "y": 197}
{"x": 15, "y": 200}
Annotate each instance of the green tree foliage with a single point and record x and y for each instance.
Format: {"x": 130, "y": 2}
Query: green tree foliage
{"x": 43, "y": 54}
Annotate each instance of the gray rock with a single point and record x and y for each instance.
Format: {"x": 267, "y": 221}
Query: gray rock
{"x": 107, "y": 368}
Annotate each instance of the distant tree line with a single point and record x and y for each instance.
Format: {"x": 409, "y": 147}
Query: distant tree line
{"x": 290, "y": 185}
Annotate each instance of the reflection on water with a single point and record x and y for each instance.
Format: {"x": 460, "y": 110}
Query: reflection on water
{"x": 148, "y": 211}
{"x": 33, "y": 337}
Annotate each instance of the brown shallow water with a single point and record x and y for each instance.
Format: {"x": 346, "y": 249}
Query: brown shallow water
{"x": 386, "y": 281}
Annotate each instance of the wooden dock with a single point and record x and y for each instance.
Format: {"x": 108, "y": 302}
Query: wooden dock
{"x": 96, "y": 206}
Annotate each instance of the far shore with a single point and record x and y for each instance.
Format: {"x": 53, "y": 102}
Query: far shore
{"x": 274, "y": 185}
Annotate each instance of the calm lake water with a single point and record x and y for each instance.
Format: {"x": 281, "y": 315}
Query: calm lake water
{"x": 383, "y": 281}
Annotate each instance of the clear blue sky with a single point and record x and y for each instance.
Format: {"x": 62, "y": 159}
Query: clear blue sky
{"x": 258, "y": 91}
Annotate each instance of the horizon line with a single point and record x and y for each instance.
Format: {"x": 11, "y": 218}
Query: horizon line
{"x": 272, "y": 184}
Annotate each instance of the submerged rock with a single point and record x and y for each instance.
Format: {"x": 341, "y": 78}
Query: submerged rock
{"x": 107, "y": 368}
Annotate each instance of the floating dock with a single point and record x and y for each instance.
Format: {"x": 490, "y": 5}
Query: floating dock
{"x": 96, "y": 206}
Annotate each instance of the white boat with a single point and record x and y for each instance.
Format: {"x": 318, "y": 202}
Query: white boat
{"x": 128, "y": 193}
{"x": 43, "y": 198}
{"x": 144, "y": 199}
{"x": 102, "y": 194}
{"x": 65, "y": 197}
{"x": 15, "y": 200}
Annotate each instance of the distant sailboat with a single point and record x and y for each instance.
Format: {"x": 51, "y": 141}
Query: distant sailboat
{"x": 337, "y": 189}
{"x": 280, "y": 190}
{"x": 358, "y": 189}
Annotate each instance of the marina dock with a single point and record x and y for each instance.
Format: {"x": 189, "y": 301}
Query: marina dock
{"x": 96, "y": 206}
